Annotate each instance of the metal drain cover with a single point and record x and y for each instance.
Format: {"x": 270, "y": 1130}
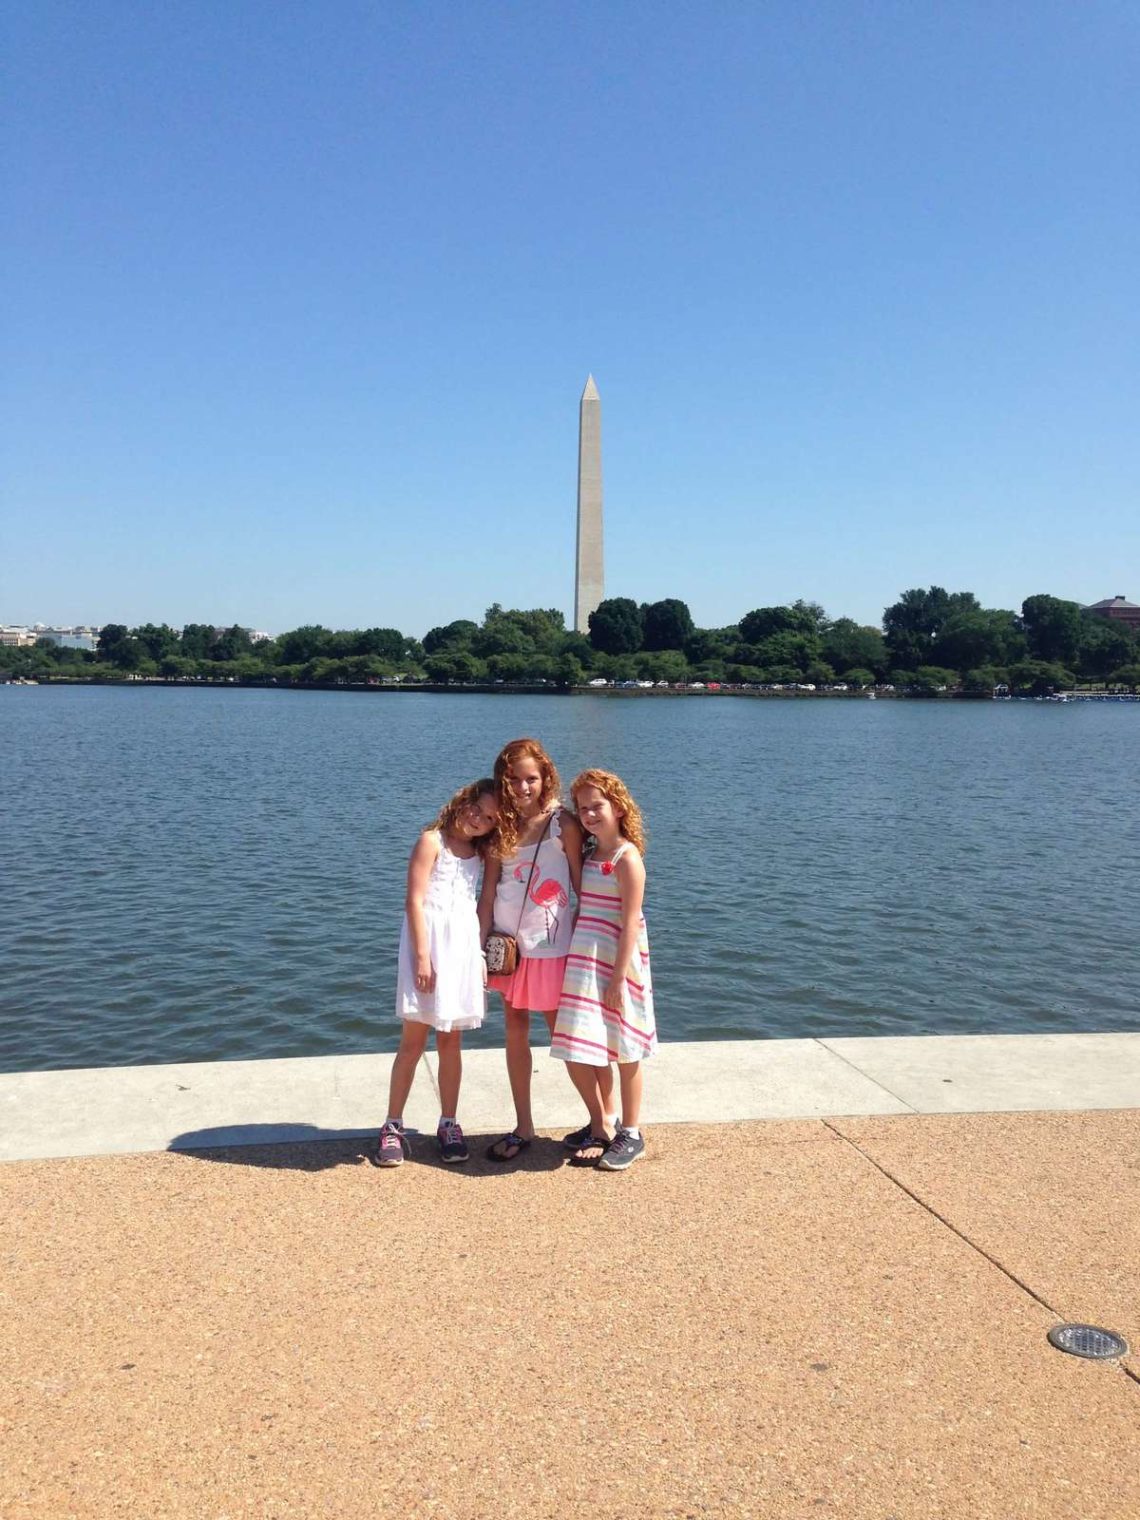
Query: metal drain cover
{"x": 1088, "y": 1340}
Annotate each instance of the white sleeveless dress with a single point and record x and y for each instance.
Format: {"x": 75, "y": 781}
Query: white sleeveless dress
{"x": 451, "y": 913}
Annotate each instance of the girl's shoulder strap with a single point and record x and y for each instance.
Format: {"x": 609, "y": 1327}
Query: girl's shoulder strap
{"x": 627, "y": 847}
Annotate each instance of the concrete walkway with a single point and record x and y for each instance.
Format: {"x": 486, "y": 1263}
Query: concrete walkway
{"x": 150, "y": 1108}
{"x": 786, "y": 1318}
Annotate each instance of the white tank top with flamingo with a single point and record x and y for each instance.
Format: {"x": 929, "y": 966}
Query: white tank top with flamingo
{"x": 546, "y": 924}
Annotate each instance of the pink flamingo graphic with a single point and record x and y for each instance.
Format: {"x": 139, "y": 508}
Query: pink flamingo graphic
{"x": 549, "y": 896}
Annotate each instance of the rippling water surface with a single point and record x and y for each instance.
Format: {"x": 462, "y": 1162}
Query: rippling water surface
{"x": 203, "y": 875}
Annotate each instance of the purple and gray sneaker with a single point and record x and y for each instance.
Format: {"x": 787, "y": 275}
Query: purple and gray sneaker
{"x": 391, "y": 1146}
{"x": 623, "y": 1150}
{"x": 452, "y": 1146}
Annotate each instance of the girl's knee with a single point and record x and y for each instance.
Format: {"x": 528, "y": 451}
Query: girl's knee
{"x": 413, "y": 1036}
{"x": 449, "y": 1040}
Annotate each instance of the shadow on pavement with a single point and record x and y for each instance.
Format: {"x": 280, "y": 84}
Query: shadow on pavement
{"x": 307, "y": 1148}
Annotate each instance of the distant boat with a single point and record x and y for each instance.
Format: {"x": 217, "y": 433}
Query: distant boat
{"x": 870, "y": 696}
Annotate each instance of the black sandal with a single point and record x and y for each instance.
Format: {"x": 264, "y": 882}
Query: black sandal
{"x": 493, "y": 1152}
{"x": 599, "y": 1143}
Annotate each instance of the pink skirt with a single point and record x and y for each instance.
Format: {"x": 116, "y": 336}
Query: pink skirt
{"x": 535, "y": 984}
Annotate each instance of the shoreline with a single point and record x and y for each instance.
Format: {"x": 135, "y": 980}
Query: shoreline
{"x": 520, "y": 689}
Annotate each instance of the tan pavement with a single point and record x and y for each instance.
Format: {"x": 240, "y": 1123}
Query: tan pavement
{"x": 821, "y": 1317}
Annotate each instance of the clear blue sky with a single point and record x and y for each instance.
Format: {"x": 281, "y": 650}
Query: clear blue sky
{"x": 300, "y": 300}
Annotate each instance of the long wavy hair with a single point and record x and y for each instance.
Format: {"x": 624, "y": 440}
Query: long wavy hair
{"x": 613, "y": 788}
{"x": 510, "y": 823}
{"x": 485, "y": 844}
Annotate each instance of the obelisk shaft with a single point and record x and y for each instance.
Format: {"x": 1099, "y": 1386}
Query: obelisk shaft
{"x": 589, "y": 577}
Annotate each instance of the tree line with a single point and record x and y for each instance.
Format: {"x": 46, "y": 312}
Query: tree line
{"x": 930, "y": 641}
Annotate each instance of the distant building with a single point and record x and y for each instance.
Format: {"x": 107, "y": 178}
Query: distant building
{"x": 69, "y": 638}
{"x": 255, "y": 635}
{"x": 1118, "y": 609}
{"x": 16, "y": 638}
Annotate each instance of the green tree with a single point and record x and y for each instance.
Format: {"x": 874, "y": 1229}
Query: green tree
{"x": 798, "y": 650}
{"x": 196, "y": 640}
{"x": 930, "y": 680}
{"x": 1040, "y": 677}
{"x": 301, "y": 645}
{"x": 1053, "y": 628}
{"x": 156, "y": 640}
{"x": 615, "y": 627}
{"x": 858, "y": 676}
{"x": 979, "y": 636}
{"x": 661, "y": 665}
{"x": 982, "y": 680}
{"x": 820, "y": 673}
{"x": 454, "y": 666}
{"x": 1127, "y": 675}
{"x": 763, "y": 622}
{"x": 912, "y": 624}
{"x": 570, "y": 670}
{"x": 711, "y": 644}
{"x": 577, "y": 644}
{"x": 452, "y": 635}
{"x": 1104, "y": 647}
{"x": 388, "y": 643}
{"x": 845, "y": 644}
{"x": 501, "y": 636}
{"x": 112, "y": 638}
{"x": 231, "y": 644}
{"x": 666, "y": 624}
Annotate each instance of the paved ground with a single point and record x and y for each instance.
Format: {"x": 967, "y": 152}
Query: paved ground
{"x": 839, "y": 1316}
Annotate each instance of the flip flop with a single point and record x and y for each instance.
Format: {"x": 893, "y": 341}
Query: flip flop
{"x": 599, "y": 1143}
{"x": 493, "y": 1153}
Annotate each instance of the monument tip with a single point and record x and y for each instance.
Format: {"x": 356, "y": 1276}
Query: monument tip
{"x": 591, "y": 391}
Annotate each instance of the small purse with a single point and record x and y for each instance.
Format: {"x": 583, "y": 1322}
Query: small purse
{"x": 502, "y": 950}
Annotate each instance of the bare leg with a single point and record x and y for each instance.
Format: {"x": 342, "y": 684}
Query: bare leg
{"x": 631, "y": 1086}
{"x": 606, "y": 1090}
{"x": 520, "y": 1067}
{"x": 449, "y": 1051}
{"x": 413, "y": 1041}
{"x": 585, "y": 1079}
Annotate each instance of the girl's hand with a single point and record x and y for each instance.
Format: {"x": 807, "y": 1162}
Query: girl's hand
{"x": 425, "y": 974}
{"x": 612, "y": 997}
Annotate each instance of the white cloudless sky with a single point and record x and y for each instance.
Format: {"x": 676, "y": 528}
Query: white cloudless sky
{"x": 300, "y": 301}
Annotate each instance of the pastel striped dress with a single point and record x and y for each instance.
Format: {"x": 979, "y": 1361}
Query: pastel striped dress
{"x": 584, "y": 1030}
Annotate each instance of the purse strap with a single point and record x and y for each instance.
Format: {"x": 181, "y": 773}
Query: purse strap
{"x": 530, "y": 878}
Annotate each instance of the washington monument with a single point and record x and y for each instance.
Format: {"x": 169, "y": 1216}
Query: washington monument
{"x": 589, "y": 575}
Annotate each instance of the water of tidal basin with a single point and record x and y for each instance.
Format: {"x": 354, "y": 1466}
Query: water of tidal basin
{"x": 213, "y": 874}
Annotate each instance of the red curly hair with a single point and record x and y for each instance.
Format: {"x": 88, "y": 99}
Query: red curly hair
{"x": 613, "y": 788}
{"x": 510, "y": 823}
{"x": 484, "y": 844}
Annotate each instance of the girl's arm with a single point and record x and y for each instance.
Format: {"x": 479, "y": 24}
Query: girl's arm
{"x": 630, "y": 871}
{"x": 492, "y": 870}
{"x": 573, "y": 840}
{"x": 423, "y": 859}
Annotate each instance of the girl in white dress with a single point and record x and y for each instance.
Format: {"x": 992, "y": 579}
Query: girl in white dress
{"x": 440, "y": 984}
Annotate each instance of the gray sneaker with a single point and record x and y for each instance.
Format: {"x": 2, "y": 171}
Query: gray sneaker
{"x": 622, "y": 1151}
{"x": 391, "y": 1145}
{"x": 452, "y": 1146}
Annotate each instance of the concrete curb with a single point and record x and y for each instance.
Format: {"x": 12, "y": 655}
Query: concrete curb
{"x": 113, "y": 1110}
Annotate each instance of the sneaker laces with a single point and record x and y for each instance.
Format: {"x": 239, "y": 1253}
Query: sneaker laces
{"x": 451, "y": 1134}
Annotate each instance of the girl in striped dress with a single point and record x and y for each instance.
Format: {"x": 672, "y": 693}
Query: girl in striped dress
{"x": 605, "y": 1012}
